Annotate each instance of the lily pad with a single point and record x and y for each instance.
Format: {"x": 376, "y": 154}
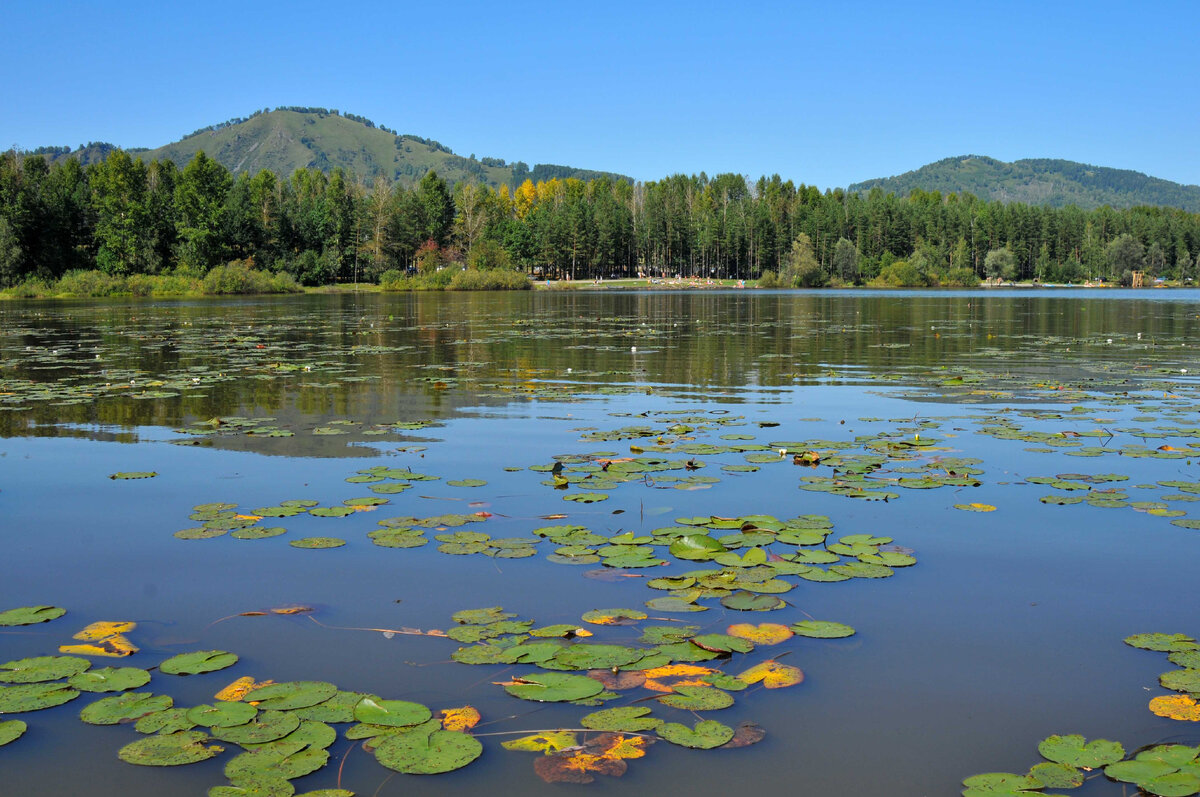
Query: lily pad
{"x": 705, "y": 735}
{"x": 822, "y": 629}
{"x": 265, "y": 727}
{"x": 222, "y": 714}
{"x": 110, "y": 679}
{"x": 614, "y": 616}
{"x": 1072, "y": 750}
{"x": 418, "y": 754}
{"x": 1161, "y": 642}
{"x": 11, "y": 730}
{"x": 34, "y": 697}
{"x": 168, "y": 750}
{"x": 124, "y": 708}
{"x": 30, "y": 615}
{"x": 134, "y": 474}
{"x": 625, "y": 719}
{"x": 744, "y": 601}
{"x": 290, "y": 695}
{"x": 392, "y": 713}
{"x": 553, "y": 687}
{"x": 317, "y": 542}
{"x": 41, "y": 668}
{"x": 697, "y": 698}
{"x": 268, "y": 763}
{"x": 200, "y": 661}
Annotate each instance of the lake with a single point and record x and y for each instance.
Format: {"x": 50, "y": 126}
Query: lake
{"x": 1033, "y": 451}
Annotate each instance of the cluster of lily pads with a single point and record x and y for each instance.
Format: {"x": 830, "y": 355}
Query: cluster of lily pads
{"x": 1165, "y": 770}
{"x": 286, "y": 729}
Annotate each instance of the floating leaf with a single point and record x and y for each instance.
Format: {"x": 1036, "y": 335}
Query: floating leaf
{"x": 34, "y": 697}
{"x": 291, "y": 694}
{"x": 200, "y": 661}
{"x": 577, "y": 767}
{"x": 697, "y": 698}
{"x": 166, "y": 721}
{"x": 392, "y": 713}
{"x": 420, "y": 754}
{"x": 115, "y": 646}
{"x": 11, "y": 730}
{"x": 553, "y": 687}
{"x": 761, "y": 634}
{"x": 134, "y": 474}
{"x": 592, "y": 656}
{"x": 1073, "y": 751}
{"x": 695, "y": 546}
{"x": 744, "y": 735}
{"x": 124, "y": 708}
{"x": 547, "y": 742}
{"x": 1056, "y": 776}
{"x": 744, "y": 601}
{"x": 168, "y": 750}
{"x": 614, "y": 616}
{"x": 627, "y": 719}
{"x": 41, "y": 668}
{"x": 822, "y": 629}
{"x": 723, "y": 643}
{"x": 265, "y": 727}
{"x": 975, "y": 507}
{"x": 317, "y": 542}
{"x": 467, "y": 483}
{"x": 1176, "y": 707}
{"x": 586, "y": 498}
{"x": 223, "y": 714}
{"x": 1185, "y": 680}
{"x": 772, "y": 675}
{"x": 30, "y": 615}
{"x": 706, "y": 734}
{"x": 110, "y": 679}
{"x": 238, "y": 689}
{"x": 1161, "y": 642}
{"x": 103, "y": 630}
{"x": 460, "y": 719}
{"x": 258, "y": 764}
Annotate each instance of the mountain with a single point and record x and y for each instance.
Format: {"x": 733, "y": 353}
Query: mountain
{"x": 291, "y": 138}
{"x": 1040, "y": 181}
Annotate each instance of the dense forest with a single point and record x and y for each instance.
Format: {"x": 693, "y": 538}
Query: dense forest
{"x": 123, "y": 216}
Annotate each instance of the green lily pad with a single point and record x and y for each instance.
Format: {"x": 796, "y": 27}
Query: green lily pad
{"x": 1001, "y": 784}
{"x": 331, "y": 511}
{"x": 744, "y": 601}
{"x": 547, "y": 742}
{"x": 258, "y": 533}
{"x": 706, "y": 734}
{"x": 200, "y": 661}
{"x": 695, "y": 547}
{"x": 723, "y": 643}
{"x": 1138, "y": 770}
{"x": 11, "y": 730}
{"x": 317, "y": 542}
{"x": 586, "y": 498}
{"x": 258, "y": 764}
{"x": 265, "y": 727}
{"x": 124, "y": 708}
{"x": 697, "y": 698}
{"x": 418, "y": 754}
{"x": 1073, "y": 751}
{"x": 166, "y": 721}
{"x": 397, "y": 538}
{"x": 309, "y": 734}
{"x": 41, "y": 668}
{"x": 1056, "y": 776}
{"x": 134, "y": 474}
{"x": 110, "y": 679}
{"x": 30, "y": 615}
{"x": 596, "y": 656}
{"x": 260, "y": 787}
{"x": 822, "y": 629}
{"x": 34, "y": 697}
{"x": 168, "y": 750}
{"x": 1161, "y": 642}
{"x": 392, "y": 713}
{"x": 222, "y": 714}
{"x": 613, "y": 616}
{"x": 553, "y": 687}
{"x": 200, "y": 533}
{"x": 467, "y": 483}
{"x": 625, "y": 719}
{"x": 1174, "y": 784}
{"x": 291, "y": 694}
{"x": 1186, "y": 680}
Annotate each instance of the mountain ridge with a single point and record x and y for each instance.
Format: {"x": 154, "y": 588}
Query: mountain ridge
{"x": 1054, "y": 182}
{"x": 293, "y": 137}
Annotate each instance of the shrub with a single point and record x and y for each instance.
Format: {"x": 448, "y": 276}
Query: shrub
{"x": 768, "y": 279}
{"x": 901, "y": 274}
{"x": 236, "y": 277}
{"x": 474, "y": 280}
{"x": 961, "y": 278}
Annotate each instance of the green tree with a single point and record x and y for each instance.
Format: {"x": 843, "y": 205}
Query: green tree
{"x": 1124, "y": 253}
{"x": 845, "y": 260}
{"x": 487, "y": 255}
{"x": 1000, "y": 264}
{"x": 200, "y": 206}
{"x": 435, "y": 207}
{"x": 119, "y": 203}
{"x": 803, "y": 270}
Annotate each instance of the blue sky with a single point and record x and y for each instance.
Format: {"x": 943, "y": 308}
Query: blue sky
{"x": 825, "y": 94}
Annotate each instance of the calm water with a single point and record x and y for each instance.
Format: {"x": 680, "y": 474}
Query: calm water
{"x": 1008, "y": 628}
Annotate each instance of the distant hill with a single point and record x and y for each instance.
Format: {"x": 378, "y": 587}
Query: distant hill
{"x": 291, "y": 138}
{"x": 1040, "y": 181}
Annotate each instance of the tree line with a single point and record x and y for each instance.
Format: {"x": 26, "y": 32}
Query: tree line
{"x": 123, "y": 216}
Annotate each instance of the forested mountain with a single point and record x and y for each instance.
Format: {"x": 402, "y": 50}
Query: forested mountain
{"x": 1040, "y": 181}
{"x": 291, "y": 138}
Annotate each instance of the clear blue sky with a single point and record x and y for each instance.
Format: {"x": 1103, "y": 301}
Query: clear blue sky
{"x": 825, "y": 94}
